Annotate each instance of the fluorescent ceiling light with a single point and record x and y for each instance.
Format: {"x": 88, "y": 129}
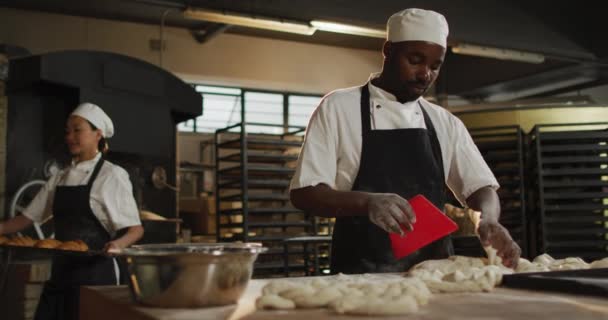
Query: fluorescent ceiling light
{"x": 538, "y": 103}
{"x": 497, "y": 53}
{"x": 505, "y": 96}
{"x": 281, "y": 25}
{"x": 249, "y": 21}
{"x": 348, "y": 29}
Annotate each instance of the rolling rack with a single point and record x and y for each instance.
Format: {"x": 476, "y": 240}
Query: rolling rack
{"x": 570, "y": 167}
{"x": 252, "y": 201}
{"x": 503, "y": 150}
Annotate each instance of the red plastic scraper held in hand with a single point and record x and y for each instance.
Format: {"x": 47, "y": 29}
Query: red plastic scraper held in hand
{"x": 431, "y": 224}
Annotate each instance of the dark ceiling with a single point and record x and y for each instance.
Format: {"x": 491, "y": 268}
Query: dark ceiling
{"x": 566, "y": 33}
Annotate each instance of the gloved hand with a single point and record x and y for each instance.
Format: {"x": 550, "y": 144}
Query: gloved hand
{"x": 492, "y": 233}
{"x": 389, "y": 210}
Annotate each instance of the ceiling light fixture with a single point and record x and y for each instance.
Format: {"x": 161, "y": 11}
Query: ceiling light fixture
{"x": 249, "y": 21}
{"x": 497, "y": 53}
{"x": 538, "y": 103}
{"x": 348, "y": 29}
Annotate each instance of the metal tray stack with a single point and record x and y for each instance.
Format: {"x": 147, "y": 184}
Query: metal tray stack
{"x": 503, "y": 150}
{"x": 569, "y": 164}
{"x": 252, "y": 185}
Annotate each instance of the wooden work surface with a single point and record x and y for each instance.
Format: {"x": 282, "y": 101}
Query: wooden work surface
{"x": 115, "y": 303}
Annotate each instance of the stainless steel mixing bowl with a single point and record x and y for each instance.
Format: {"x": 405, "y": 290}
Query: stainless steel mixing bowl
{"x": 190, "y": 275}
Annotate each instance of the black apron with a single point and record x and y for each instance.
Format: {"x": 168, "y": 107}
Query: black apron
{"x": 402, "y": 161}
{"x": 74, "y": 219}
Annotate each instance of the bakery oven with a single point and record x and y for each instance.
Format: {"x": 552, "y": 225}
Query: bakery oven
{"x": 144, "y": 101}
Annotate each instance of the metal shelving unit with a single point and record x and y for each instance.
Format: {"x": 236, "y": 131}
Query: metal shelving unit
{"x": 503, "y": 149}
{"x": 252, "y": 181}
{"x": 570, "y": 167}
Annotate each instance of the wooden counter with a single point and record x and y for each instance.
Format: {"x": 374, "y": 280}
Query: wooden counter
{"x": 115, "y": 303}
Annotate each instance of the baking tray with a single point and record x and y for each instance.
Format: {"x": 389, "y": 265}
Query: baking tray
{"x": 20, "y": 254}
{"x": 587, "y": 281}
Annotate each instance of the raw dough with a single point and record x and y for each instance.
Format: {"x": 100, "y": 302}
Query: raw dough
{"x": 461, "y": 274}
{"x": 273, "y": 301}
{"x": 365, "y": 294}
{"x": 525, "y": 265}
{"x": 376, "y": 306}
{"x": 569, "y": 264}
{"x": 603, "y": 263}
{"x": 544, "y": 259}
{"x": 493, "y": 257}
{"x": 318, "y": 299}
{"x": 545, "y": 262}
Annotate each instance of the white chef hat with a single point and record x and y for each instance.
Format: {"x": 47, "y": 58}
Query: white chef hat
{"x": 97, "y": 117}
{"x": 418, "y": 25}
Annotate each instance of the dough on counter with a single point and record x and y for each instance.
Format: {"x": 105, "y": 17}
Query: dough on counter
{"x": 493, "y": 258}
{"x": 273, "y": 301}
{"x": 298, "y": 291}
{"x": 375, "y": 306}
{"x": 603, "y": 263}
{"x": 461, "y": 274}
{"x": 525, "y": 265}
{"x": 472, "y": 279}
{"x": 545, "y": 262}
{"x": 571, "y": 263}
{"x": 544, "y": 259}
{"x": 318, "y": 299}
{"x": 449, "y": 265}
{"x": 277, "y": 286}
{"x": 348, "y": 294}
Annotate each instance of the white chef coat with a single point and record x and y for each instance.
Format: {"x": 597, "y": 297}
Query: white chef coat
{"x": 111, "y": 197}
{"x": 332, "y": 146}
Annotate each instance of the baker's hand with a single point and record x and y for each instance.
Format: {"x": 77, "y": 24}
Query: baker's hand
{"x": 389, "y": 210}
{"x": 112, "y": 247}
{"x": 492, "y": 233}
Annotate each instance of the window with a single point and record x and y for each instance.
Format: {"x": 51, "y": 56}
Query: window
{"x": 301, "y": 108}
{"x": 264, "y": 108}
{"x": 222, "y": 108}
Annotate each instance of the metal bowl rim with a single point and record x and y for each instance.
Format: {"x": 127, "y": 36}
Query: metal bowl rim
{"x": 212, "y": 249}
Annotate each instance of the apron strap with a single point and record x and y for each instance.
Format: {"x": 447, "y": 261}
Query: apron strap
{"x": 365, "y": 105}
{"x": 366, "y": 127}
{"x": 434, "y": 139}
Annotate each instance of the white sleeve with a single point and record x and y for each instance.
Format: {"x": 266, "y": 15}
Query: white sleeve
{"x": 317, "y": 162}
{"x": 118, "y": 200}
{"x": 468, "y": 170}
{"x": 42, "y": 206}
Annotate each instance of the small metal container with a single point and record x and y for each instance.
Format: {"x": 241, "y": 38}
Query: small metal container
{"x": 190, "y": 275}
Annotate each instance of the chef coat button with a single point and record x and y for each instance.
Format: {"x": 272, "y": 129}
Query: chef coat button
{"x": 378, "y": 106}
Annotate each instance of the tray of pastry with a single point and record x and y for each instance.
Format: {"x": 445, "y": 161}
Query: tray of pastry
{"x": 26, "y": 248}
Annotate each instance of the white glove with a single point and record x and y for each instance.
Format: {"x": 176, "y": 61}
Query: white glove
{"x": 389, "y": 210}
